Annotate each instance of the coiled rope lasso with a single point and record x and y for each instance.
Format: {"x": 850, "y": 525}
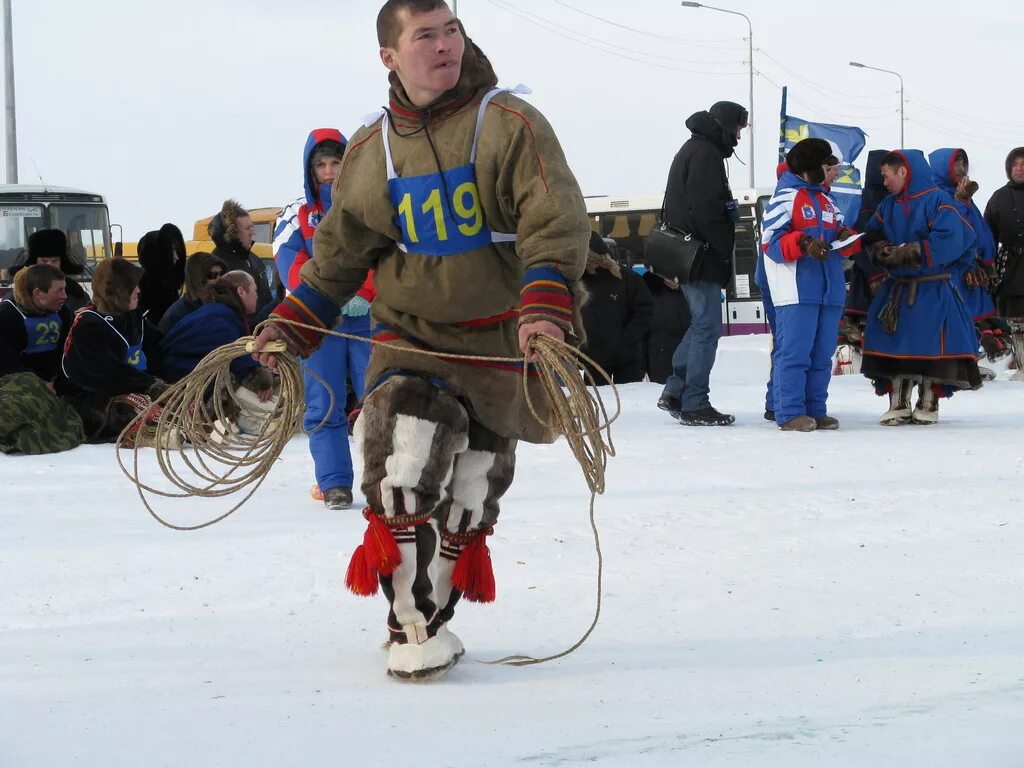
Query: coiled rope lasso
{"x": 201, "y": 456}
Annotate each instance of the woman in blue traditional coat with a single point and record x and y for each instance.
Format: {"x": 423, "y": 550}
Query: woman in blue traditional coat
{"x": 919, "y": 330}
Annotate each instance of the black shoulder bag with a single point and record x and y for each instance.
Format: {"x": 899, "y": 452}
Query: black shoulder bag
{"x": 673, "y": 253}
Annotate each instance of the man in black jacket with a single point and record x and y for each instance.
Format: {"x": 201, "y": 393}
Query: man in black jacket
{"x": 616, "y": 316}
{"x": 1005, "y": 216}
{"x": 232, "y": 232}
{"x": 698, "y": 200}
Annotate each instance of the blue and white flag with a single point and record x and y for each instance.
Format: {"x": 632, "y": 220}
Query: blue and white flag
{"x": 846, "y": 189}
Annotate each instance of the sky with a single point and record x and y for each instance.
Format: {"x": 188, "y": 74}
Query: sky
{"x": 169, "y": 108}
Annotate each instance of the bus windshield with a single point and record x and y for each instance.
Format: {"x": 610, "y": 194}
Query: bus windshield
{"x": 17, "y": 222}
{"x": 87, "y": 230}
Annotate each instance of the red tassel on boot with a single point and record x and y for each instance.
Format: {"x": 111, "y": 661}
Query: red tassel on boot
{"x": 378, "y": 554}
{"x": 473, "y": 575}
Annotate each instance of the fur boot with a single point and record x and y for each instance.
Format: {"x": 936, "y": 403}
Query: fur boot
{"x": 899, "y": 412}
{"x": 927, "y": 409}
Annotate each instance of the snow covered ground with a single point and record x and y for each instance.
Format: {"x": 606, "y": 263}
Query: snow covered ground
{"x": 835, "y": 599}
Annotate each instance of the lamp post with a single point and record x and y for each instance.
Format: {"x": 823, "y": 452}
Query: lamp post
{"x": 888, "y": 72}
{"x": 455, "y": 8}
{"x": 750, "y": 64}
{"x": 9, "y": 113}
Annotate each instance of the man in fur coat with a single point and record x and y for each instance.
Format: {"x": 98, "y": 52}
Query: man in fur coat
{"x": 919, "y": 330}
{"x": 460, "y": 197}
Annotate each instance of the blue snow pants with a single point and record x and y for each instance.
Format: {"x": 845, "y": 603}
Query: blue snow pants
{"x": 335, "y": 361}
{"x": 769, "y": 314}
{"x": 805, "y": 338}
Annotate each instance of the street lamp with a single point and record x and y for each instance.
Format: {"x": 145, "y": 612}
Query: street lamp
{"x": 750, "y": 62}
{"x": 888, "y": 72}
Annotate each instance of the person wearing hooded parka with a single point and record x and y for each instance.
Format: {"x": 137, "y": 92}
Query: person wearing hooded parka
{"x": 919, "y": 330}
{"x": 162, "y": 256}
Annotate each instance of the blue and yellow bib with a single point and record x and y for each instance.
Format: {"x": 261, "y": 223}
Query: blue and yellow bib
{"x": 440, "y": 214}
{"x": 42, "y": 333}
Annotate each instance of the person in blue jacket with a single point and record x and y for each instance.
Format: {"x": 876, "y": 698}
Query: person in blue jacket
{"x": 222, "y": 319}
{"x": 804, "y": 275}
{"x": 919, "y": 329}
{"x": 338, "y": 361}
{"x": 950, "y": 169}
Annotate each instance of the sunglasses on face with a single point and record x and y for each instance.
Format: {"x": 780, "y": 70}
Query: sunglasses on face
{"x": 213, "y": 275}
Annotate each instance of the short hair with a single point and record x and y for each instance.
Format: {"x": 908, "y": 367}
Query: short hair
{"x": 38, "y": 277}
{"x": 224, "y": 290}
{"x": 894, "y": 160}
{"x": 388, "y": 25}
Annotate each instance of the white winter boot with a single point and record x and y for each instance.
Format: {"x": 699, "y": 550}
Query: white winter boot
{"x": 899, "y": 412}
{"x": 927, "y": 410}
{"x": 1017, "y": 346}
{"x": 427, "y": 661}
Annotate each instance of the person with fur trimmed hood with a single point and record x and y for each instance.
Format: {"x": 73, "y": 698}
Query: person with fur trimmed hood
{"x": 202, "y": 269}
{"x": 337, "y": 360}
{"x": 698, "y": 201}
{"x": 162, "y": 256}
{"x": 460, "y": 198}
{"x": 34, "y": 322}
{"x": 804, "y": 275}
{"x": 111, "y": 354}
{"x": 1005, "y": 216}
{"x": 50, "y": 246}
{"x": 919, "y": 330}
{"x": 616, "y": 315}
{"x": 233, "y": 235}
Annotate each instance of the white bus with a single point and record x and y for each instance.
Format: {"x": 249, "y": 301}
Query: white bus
{"x": 82, "y": 216}
{"x": 627, "y": 220}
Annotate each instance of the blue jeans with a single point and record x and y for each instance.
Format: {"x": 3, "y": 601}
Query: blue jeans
{"x": 693, "y": 359}
{"x": 334, "y": 362}
{"x": 769, "y": 314}
{"x": 805, "y": 338}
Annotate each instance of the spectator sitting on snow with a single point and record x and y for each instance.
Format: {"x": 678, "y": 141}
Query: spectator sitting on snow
{"x": 616, "y": 316}
{"x": 34, "y": 322}
{"x": 107, "y": 372}
{"x": 162, "y": 256}
{"x": 201, "y": 270}
{"x": 222, "y": 319}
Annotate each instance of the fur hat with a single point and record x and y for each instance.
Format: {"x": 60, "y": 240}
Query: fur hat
{"x": 223, "y": 228}
{"x": 808, "y": 155}
{"x": 197, "y": 266}
{"x": 47, "y": 244}
{"x": 112, "y": 284}
{"x": 1015, "y": 154}
{"x": 599, "y": 257}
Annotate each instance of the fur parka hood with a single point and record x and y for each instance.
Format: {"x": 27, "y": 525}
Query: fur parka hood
{"x": 197, "y": 266}
{"x": 112, "y": 285}
{"x": 223, "y": 228}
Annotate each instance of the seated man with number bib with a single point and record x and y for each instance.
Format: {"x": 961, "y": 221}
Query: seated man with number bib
{"x": 460, "y": 197}
{"x": 109, "y": 356}
{"x": 34, "y": 323}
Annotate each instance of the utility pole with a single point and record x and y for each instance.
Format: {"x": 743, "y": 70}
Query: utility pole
{"x": 455, "y": 8}
{"x": 9, "y": 112}
{"x": 902, "y": 99}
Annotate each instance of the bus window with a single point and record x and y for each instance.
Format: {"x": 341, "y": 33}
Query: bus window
{"x": 263, "y": 232}
{"x": 17, "y": 222}
{"x": 87, "y": 230}
{"x": 628, "y": 229}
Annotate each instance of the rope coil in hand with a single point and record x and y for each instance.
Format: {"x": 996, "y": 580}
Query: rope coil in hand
{"x": 202, "y": 457}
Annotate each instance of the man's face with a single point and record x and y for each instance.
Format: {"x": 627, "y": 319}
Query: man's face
{"x": 1017, "y": 171}
{"x": 50, "y": 261}
{"x": 326, "y": 169}
{"x": 894, "y": 178}
{"x": 428, "y": 55}
{"x": 250, "y": 297}
{"x": 53, "y": 299}
{"x": 831, "y": 173}
{"x": 246, "y": 231}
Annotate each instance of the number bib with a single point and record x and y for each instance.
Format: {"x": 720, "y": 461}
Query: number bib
{"x": 42, "y": 333}
{"x": 135, "y": 357}
{"x": 440, "y": 214}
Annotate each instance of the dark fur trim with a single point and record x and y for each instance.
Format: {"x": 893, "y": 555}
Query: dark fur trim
{"x": 112, "y": 284}
{"x": 223, "y": 228}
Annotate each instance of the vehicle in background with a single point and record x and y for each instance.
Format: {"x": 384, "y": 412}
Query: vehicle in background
{"x": 628, "y": 220}
{"x": 81, "y": 215}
